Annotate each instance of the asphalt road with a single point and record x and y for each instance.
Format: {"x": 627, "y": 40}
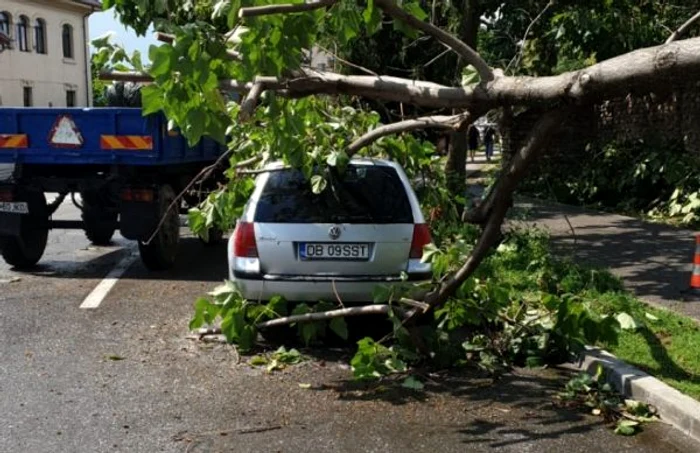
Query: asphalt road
{"x": 62, "y": 391}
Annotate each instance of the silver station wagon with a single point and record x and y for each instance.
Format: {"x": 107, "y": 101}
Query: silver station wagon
{"x": 366, "y": 228}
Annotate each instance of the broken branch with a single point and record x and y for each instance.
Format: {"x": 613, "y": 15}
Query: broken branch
{"x": 458, "y": 46}
{"x": 250, "y": 101}
{"x": 518, "y": 165}
{"x": 201, "y": 176}
{"x": 682, "y": 29}
{"x": 326, "y": 315}
{"x": 437, "y": 121}
{"x": 500, "y": 202}
{"x": 284, "y": 8}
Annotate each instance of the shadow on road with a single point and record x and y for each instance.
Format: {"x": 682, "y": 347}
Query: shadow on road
{"x": 195, "y": 262}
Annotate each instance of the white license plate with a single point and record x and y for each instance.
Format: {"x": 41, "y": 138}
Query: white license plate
{"x": 15, "y": 207}
{"x": 333, "y": 251}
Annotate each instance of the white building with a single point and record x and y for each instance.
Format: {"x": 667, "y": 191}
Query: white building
{"x": 47, "y": 61}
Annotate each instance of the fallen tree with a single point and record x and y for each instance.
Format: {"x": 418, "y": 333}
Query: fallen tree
{"x": 261, "y": 53}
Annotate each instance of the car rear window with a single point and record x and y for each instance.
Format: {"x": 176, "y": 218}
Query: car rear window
{"x": 362, "y": 194}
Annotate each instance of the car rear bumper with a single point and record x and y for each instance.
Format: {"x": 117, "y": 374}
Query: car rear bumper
{"x": 298, "y": 289}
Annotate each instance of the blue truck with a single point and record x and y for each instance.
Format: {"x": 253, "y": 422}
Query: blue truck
{"x": 126, "y": 169}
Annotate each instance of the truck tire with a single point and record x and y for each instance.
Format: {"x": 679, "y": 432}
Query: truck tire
{"x": 160, "y": 253}
{"x": 99, "y": 220}
{"x": 25, "y": 250}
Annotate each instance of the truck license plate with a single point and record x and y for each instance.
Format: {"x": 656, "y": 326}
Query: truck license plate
{"x": 333, "y": 251}
{"x": 15, "y": 207}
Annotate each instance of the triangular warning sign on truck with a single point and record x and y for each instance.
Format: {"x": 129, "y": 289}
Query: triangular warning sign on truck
{"x": 65, "y": 133}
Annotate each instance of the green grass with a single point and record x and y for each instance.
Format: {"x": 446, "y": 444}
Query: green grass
{"x": 666, "y": 344}
{"x": 667, "y": 348}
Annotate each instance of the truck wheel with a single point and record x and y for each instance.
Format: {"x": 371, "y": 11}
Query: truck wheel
{"x": 25, "y": 250}
{"x": 160, "y": 253}
{"x": 100, "y": 221}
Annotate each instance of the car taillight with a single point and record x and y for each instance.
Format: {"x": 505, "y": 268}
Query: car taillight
{"x": 421, "y": 238}
{"x": 244, "y": 244}
{"x": 6, "y": 195}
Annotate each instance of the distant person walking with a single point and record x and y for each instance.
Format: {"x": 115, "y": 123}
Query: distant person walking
{"x": 473, "y": 141}
{"x": 489, "y": 137}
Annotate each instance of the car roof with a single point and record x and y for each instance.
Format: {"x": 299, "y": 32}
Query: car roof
{"x": 278, "y": 164}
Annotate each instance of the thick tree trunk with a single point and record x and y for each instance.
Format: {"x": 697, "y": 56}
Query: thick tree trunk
{"x": 456, "y": 164}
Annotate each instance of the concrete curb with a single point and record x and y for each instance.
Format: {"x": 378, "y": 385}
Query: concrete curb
{"x": 681, "y": 411}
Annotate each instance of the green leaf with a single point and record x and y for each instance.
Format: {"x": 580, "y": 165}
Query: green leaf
{"x": 415, "y": 10}
{"x": 412, "y": 383}
{"x": 627, "y": 427}
{"x": 102, "y": 40}
{"x": 651, "y": 317}
{"x": 160, "y": 60}
{"x": 470, "y": 76}
{"x": 151, "y": 99}
{"x": 373, "y": 18}
{"x": 339, "y": 327}
{"x": 205, "y": 313}
{"x": 430, "y": 251}
{"x": 291, "y": 356}
{"x": 395, "y": 365}
{"x": 627, "y": 322}
{"x": 318, "y": 184}
{"x": 338, "y": 159}
{"x": 259, "y": 360}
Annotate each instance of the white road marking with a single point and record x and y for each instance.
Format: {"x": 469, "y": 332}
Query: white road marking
{"x": 95, "y": 298}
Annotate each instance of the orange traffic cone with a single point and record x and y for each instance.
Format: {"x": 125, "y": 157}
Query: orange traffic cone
{"x": 695, "y": 276}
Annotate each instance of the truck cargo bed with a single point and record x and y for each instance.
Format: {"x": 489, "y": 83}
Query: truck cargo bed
{"x": 95, "y": 136}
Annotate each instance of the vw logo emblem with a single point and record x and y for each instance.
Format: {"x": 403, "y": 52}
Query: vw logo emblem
{"x": 334, "y": 232}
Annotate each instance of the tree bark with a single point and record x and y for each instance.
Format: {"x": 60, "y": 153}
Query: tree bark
{"x": 456, "y": 163}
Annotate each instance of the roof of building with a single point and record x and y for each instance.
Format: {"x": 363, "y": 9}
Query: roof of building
{"x": 95, "y": 3}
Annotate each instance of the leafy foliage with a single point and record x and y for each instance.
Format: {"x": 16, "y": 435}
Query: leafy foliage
{"x": 598, "y": 396}
{"x": 278, "y": 360}
{"x": 652, "y": 178}
{"x": 239, "y": 317}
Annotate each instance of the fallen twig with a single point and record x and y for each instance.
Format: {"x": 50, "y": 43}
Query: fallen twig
{"x": 325, "y": 315}
{"x": 201, "y": 176}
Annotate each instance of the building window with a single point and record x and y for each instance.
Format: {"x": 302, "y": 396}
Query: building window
{"x": 5, "y": 23}
{"x": 28, "y": 97}
{"x": 70, "y": 98}
{"x": 22, "y": 36}
{"x": 40, "y": 36}
{"x": 67, "y": 41}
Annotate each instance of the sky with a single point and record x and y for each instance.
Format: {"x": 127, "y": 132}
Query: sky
{"x": 104, "y": 22}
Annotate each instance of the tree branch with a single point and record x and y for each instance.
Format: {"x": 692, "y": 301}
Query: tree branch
{"x": 201, "y": 176}
{"x": 682, "y": 29}
{"x": 517, "y": 167}
{"x": 348, "y": 63}
{"x": 250, "y": 101}
{"x": 519, "y": 55}
{"x": 637, "y": 71}
{"x": 537, "y": 139}
{"x": 125, "y": 76}
{"x": 284, "y": 8}
{"x": 458, "y": 46}
{"x": 326, "y": 315}
{"x": 438, "y": 121}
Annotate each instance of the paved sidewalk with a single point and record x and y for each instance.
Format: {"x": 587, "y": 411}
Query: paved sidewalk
{"x": 653, "y": 260}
